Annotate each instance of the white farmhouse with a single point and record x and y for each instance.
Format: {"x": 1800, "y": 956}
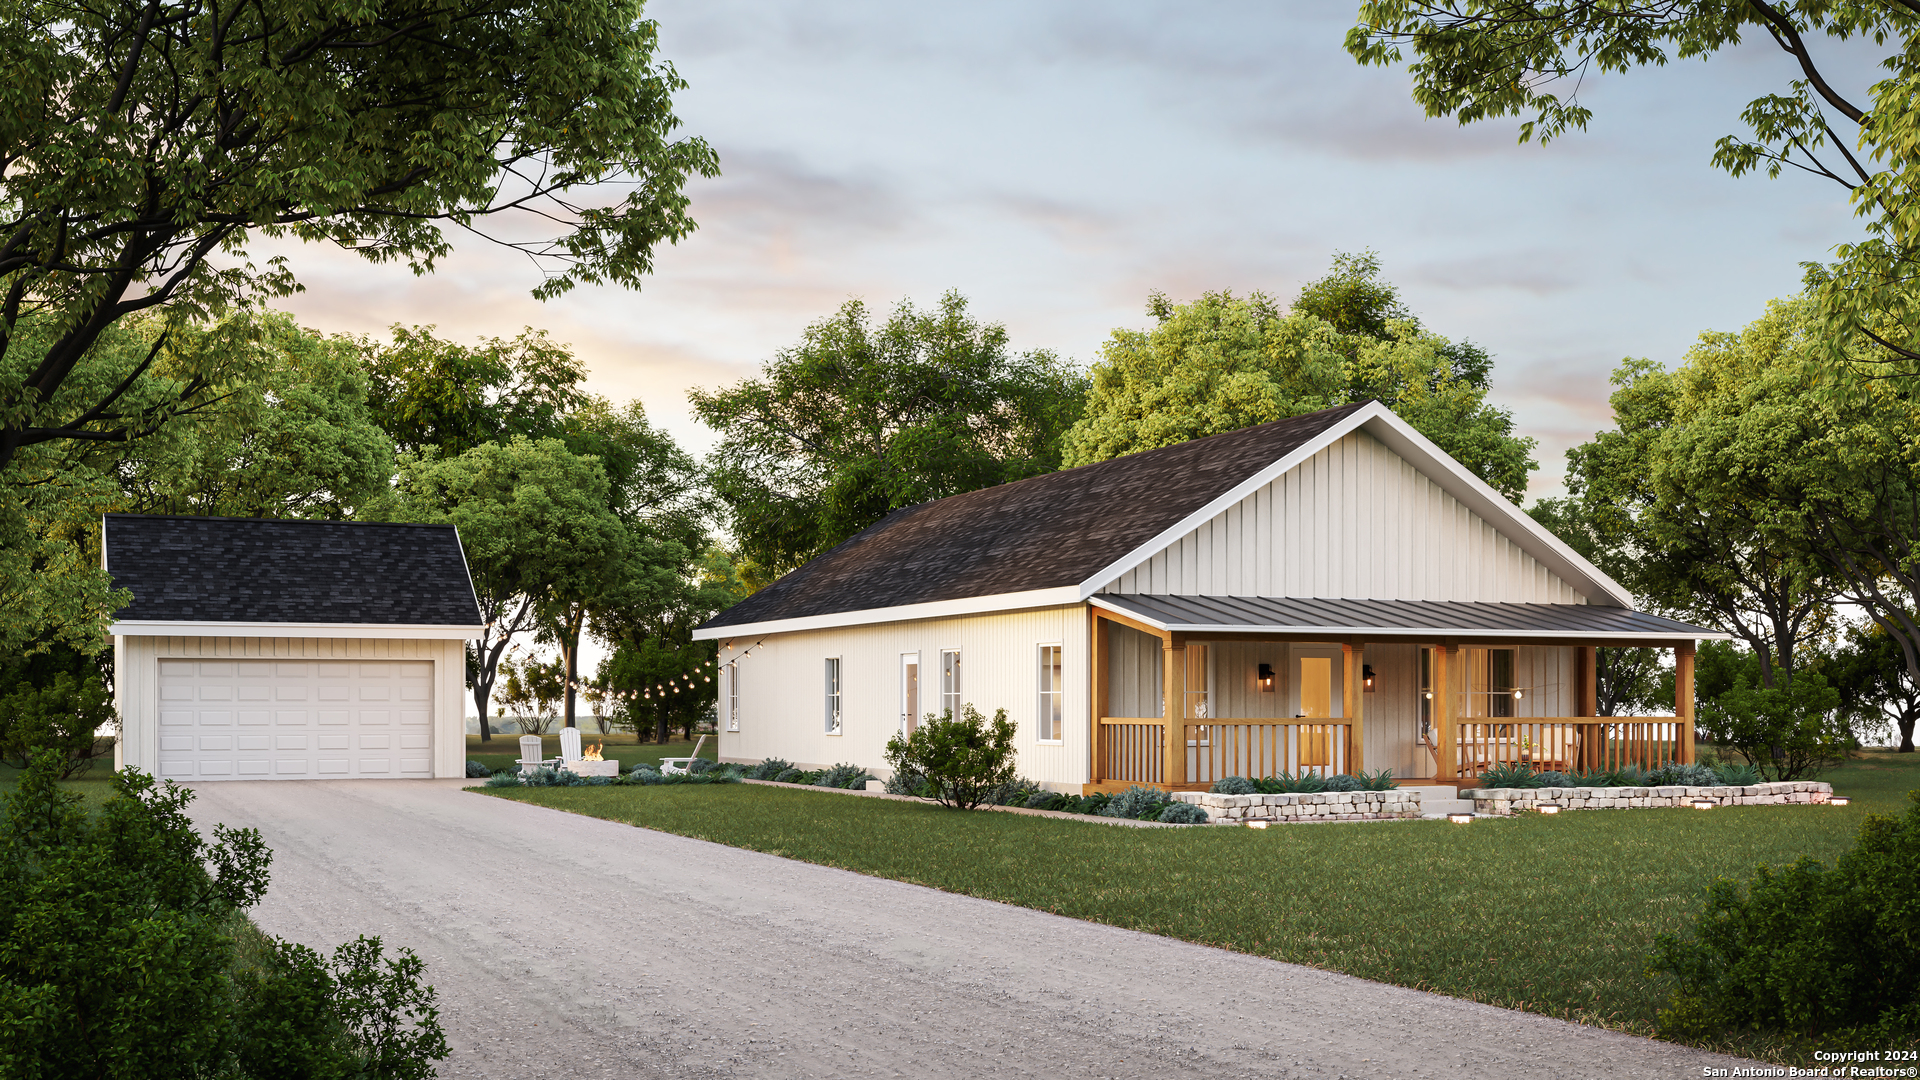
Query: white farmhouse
{"x": 1329, "y": 593}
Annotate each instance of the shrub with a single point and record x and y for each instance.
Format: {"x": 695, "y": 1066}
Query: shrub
{"x": 1807, "y": 950}
{"x": 788, "y": 775}
{"x": 768, "y": 769}
{"x": 1047, "y": 800}
{"x": 1786, "y": 732}
{"x": 1624, "y": 776}
{"x": 1140, "y": 803}
{"x": 1552, "y": 778}
{"x": 120, "y": 943}
{"x": 552, "y": 776}
{"x": 1377, "y": 781}
{"x": 908, "y": 782}
{"x": 1681, "y": 774}
{"x": 477, "y": 771}
{"x": 643, "y": 774}
{"x": 964, "y": 759}
{"x": 1014, "y": 792}
{"x": 1183, "y": 813}
{"x": 63, "y": 716}
{"x": 1088, "y": 804}
{"x": 1510, "y": 776}
{"x": 1232, "y": 785}
{"x": 1343, "y": 782}
{"x": 504, "y": 778}
{"x": 1734, "y": 775}
{"x": 1287, "y": 784}
{"x": 852, "y": 777}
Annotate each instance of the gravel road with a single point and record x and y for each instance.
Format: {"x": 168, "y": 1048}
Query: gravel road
{"x": 735, "y": 963}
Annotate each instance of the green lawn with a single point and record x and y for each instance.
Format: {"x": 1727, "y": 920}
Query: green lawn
{"x": 1552, "y": 915}
{"x": 504, "y": 750}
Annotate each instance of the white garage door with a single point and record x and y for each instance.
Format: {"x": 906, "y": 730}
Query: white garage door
{"x": 295, "y": 720}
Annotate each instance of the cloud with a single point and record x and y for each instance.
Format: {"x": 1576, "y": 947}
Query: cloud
{"x": 1539, "y": 271}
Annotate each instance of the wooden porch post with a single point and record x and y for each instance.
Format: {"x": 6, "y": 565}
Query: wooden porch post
{"x": 1173, "y": 655}
{"x": 1683, "y": 697}
{"x": 1587, "y": 674}
{"x": 1096, "y": 693}
{"x": 1353, "y": 656}
{"x": 1449, "y": 767}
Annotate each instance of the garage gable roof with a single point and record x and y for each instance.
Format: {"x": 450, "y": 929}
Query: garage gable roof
{"x": 203, "y": 571}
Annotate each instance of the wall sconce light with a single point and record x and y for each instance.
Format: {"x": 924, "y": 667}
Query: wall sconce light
{"x": 1366, "y": 677}
{"x": 1266, "y": 678}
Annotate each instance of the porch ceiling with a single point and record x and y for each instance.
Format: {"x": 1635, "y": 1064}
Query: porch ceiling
{"x": 1431, "y": 620}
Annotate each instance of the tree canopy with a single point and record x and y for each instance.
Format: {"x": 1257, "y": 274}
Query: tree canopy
{"x": 858, "y": 419}
{"x": 145, "y": 143}
{"x": 1487, "y": 59}
{"x": 430, "y": 392}
{"x": 1222, "y": 362}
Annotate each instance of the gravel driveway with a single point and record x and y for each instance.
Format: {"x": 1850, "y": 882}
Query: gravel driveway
{"x": 751, "y": 965}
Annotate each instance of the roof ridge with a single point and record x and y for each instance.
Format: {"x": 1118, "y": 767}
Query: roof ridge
{"x": 280, "y": 521}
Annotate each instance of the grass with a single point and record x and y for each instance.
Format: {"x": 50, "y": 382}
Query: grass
{"x": 504, "y": 750}
{"x": 1552, "y": 915}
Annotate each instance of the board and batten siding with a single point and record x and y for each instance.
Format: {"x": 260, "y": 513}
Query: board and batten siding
{"x": 1355, "y": 521}
{"x": 782, "y": 687}
{"x": 136, "y": 690}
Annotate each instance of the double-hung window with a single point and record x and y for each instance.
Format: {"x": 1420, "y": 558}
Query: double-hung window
{"x": 1049, "y": 715}
{"x": 950, "y": 682}
{"x": 731, "y": 673}
{"x": 833, "y": 695}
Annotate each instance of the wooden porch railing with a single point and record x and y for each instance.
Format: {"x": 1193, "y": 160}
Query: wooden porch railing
{"x": 1133, "y": 750}
{"x": 1567, "y": 744}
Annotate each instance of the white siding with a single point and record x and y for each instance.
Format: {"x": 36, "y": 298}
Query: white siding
{"x": 781, "y": 686}
{"x": 1355, "y": 521}
{"x": 137, "y": 685}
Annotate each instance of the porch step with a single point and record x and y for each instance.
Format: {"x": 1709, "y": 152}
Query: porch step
{"x": 1437, "y": 801}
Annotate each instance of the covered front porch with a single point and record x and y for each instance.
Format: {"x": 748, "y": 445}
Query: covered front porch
{"x": 1432, "y": 692}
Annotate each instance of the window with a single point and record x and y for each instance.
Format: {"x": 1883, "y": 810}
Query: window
{"x": 833, "y": 695}
{"x": 1426, "y": 693}
{"x": 1500, "y": 686}
{"x": 950, "y": 681}
{"x": 1047, "y": 723}
{"x": 732, "y": 674}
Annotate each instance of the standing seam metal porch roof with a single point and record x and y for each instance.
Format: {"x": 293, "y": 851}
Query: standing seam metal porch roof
{"x": 1439, "y": 618}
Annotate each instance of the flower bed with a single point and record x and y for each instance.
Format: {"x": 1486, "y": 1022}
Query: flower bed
{"x": 1502, "y": 802}
{"x": 1321, "y": 806}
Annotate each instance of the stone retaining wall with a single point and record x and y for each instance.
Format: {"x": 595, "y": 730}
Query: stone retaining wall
{"x": 1505, "y": 801}
{"x": 1322, "y": 806}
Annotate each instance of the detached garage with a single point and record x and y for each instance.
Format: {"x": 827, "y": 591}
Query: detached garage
{"x": 259, "y": 649}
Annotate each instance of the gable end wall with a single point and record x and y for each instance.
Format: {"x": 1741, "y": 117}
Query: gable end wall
{"x": 1356, "y": 521}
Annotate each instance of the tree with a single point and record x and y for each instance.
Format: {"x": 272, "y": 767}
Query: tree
{"x": 661, "y": 677}
{"x": 533, "y": 691}
{"x": 1871, "y": 674}
{"x": 1482, "y": 59}
{"x": 966, "y": 757}
{"x": 146, "y": 142}
{"x": 1684, "y": 485}
{"x": 293, "y": 438}
{"x": 427, "y": 392}
{"x": 1223, "y": 362}
{"x": 859, "y": 420}
{"x": 533, "y": 518}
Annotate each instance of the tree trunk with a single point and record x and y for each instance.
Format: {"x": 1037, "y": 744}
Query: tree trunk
{"x": 660, "y": 720}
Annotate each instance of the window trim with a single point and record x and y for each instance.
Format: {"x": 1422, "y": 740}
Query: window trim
{"x": 958, "y": 693}
{"x": 834, "y": 703}
{"x": 733, "y": 695}
{"x": 1041, "y": 694}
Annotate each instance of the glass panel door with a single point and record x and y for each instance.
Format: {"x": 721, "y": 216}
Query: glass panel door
{"x": 909, "y": 693}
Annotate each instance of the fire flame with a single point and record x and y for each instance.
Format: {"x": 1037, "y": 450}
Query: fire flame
{"x": 592, "y": 753}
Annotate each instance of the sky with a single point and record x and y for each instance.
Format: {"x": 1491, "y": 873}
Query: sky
{"x": 1057, "y": 162}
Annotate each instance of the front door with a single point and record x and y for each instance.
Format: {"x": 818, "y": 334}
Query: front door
{"x": 1317, "y": 694}
{"x": 909, "y": 692}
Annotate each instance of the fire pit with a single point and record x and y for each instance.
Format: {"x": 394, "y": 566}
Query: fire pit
{"x": 592, "y": 763}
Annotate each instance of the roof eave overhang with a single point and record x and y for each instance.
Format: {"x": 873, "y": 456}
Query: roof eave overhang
{"x": 413, "y": 631}
{"x": 1423, "y": 633}
{"x": 939, "y": 609}
{"x": 1400, "y": 437}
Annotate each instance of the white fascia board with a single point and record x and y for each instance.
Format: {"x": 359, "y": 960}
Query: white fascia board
{"x": 1435, "y": 632}
{"x": 1400, "y": 437}
{"x": 938, "y": 609}
{"x": 157, "y": 628}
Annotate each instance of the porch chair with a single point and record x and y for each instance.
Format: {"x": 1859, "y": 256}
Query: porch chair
{"x": 569, "y": 746}
{"x": 679, "y": 764}
{"x": 530, "y": 758}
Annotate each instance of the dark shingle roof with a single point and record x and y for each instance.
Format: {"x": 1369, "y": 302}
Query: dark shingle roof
{"x": 1052, "y": 530}
{"x": 263, "y": 570}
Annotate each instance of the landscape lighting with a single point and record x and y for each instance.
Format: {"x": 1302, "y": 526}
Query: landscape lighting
{"x": 1256, "y": 824}
{"x": 1549, "y": 809}
{"x": 1703, "y": 804}
{"x": 1837, "y": 800}
{"x": 1460, "y": 819}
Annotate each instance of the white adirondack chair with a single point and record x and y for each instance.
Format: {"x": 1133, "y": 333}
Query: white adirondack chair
{"x": 679, "y": 764}
{"x": 530, "y": 758}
